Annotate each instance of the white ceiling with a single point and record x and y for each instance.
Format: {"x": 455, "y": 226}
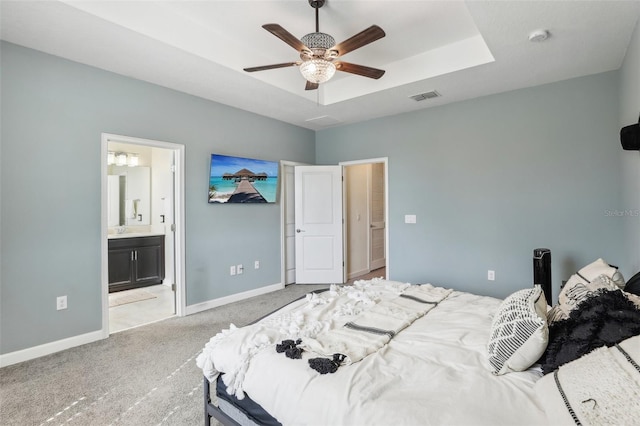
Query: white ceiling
{"x": 462, "y": 49}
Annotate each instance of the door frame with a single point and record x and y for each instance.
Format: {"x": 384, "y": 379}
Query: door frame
{"x": 383, "y": 160}
{"x": 179, "y": 220}
{"x": 284, "y": 195}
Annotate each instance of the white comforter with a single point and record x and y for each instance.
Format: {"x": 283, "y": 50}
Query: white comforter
{"x": 434, "y": 372}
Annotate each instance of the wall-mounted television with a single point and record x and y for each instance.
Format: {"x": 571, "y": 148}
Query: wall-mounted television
{"x": 242, "y": 180}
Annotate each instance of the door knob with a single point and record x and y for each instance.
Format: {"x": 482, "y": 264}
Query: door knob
{"x": 299, "y": 230}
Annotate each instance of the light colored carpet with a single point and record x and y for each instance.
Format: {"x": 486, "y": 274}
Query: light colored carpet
{"x": 129, "y": 296}
{"x": 142, "y": 376}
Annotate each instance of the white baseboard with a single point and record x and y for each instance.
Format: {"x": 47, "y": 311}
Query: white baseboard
{"x": 377, "y": 264}
{"x": 214, "y": 303}
{"x": 359, "y": 273}
{"x": 60, "y": 345}
{"x": 49, "y": 348}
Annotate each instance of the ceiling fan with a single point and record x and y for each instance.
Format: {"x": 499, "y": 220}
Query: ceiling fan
{"x": 319, "y": 52}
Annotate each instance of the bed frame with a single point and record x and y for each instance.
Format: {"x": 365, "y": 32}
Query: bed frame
{"x": 211, "y": 410}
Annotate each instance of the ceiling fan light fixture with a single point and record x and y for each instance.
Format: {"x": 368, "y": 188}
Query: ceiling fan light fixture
{"x": 317, "y": 70}
{"x": 318, "y": 51}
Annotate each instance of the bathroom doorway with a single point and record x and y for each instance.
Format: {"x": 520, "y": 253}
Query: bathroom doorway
{"x": 143, "y": 245}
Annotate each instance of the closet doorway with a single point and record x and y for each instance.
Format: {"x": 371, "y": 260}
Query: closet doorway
{"x": 365, "y": 212}
{"x": 365, "y": 208}
{"x": 143, "y": 243}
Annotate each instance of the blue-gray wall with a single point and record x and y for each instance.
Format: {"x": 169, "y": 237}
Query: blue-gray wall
{"x": 493, "y": 178}
{"x": 53, "y": 114}
{"x": 489, "y": 179}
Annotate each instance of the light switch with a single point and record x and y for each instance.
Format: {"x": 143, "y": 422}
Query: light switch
{"x": 409, "y": 218}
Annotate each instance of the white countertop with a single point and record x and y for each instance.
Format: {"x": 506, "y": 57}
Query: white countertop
{"x": 133, "y": 235}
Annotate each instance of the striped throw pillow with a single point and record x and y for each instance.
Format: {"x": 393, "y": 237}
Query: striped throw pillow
{"x": 519, "y": 331}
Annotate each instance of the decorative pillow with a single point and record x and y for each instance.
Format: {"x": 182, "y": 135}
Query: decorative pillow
{"x": 575, "y": 292}
{"x": 604, "y": 318}
{"x": 596, "y": 275}
{"x": 594, "y": 270}
{"x": 633, "y": 285}
{"x": 596, "y": 389}
{"x": 519, "y": 331}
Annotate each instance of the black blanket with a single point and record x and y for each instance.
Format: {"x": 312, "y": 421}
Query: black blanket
{"x": 604, "y": 319}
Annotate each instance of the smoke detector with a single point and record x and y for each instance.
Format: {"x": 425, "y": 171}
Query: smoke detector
{"x": 539, "y": 35}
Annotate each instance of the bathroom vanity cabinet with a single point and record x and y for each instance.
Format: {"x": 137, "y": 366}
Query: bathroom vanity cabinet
{"x": 135, "y": 262}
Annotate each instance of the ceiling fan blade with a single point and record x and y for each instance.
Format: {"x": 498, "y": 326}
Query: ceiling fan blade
{"x": 270, "y": 67}
{"x": 359, "y": 69}
{"x": 311, "y": 86}
{"x": 285, "y": 36}
{"x": 363, "y": 38}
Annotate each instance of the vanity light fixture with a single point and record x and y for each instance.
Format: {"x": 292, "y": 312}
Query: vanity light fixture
{"x": 132, "y": 160}
{"x": 121, "y": 159}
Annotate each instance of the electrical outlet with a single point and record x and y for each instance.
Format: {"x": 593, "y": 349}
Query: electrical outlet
{"x": 491, "y": 275}
{"x": 232, "y": 270}
{"x": 239, "y": 269}
{"x": 61, "y": 303}
{"x": 256, "y": 264}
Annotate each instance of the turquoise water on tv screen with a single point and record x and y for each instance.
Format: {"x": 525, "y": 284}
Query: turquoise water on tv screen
{"x": 268, "y": 188}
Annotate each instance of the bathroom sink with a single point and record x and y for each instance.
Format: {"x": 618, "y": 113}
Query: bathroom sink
{"x": 133, "y": 233}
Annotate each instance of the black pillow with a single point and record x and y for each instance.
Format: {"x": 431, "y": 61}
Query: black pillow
{"x": 604, "y": 319}
{"x": 633, "y": 285}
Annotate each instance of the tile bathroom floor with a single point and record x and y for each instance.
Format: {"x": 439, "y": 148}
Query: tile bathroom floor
{"x": 134, "y": 314}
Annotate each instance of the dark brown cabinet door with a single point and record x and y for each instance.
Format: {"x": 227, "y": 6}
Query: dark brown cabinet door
{"x": 147, "y": 266}
{"x": 120, "y": 262}
{"x": 135, "y": 262}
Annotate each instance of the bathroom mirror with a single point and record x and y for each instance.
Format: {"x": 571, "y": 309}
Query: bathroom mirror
{"x": 129, "y": 196}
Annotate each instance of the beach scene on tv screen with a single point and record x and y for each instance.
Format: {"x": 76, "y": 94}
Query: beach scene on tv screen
{"x": 242, "y": 180}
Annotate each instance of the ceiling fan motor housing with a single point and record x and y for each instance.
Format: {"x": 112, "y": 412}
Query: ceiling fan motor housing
{"x": 319, "y": 44}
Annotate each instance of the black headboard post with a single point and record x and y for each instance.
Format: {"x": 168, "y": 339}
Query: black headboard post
{"x": 542, "y": 271}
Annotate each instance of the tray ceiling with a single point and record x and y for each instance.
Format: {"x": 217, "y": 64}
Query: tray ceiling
{"x": 460, "y": 49}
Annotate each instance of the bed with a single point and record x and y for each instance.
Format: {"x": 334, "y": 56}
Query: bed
{"x": 423, "y": 356}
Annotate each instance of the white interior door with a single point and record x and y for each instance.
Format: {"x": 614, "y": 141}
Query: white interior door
{"x": 289, "y": 224}
{"x": 318, "y": 224}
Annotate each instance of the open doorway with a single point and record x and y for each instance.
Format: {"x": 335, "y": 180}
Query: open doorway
{"x": 287, "y": 217}
{"x": 365, "y": 219}
{"x": 143, "y": 244}
{"x": 365, "y": 202}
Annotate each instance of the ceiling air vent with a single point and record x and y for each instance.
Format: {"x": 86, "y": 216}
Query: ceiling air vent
{"x": 324, "y": 121}
{"x": 426, "y": 95}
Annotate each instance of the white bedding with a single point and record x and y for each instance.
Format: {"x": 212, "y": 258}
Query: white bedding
{"x": 434, "y": 372}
